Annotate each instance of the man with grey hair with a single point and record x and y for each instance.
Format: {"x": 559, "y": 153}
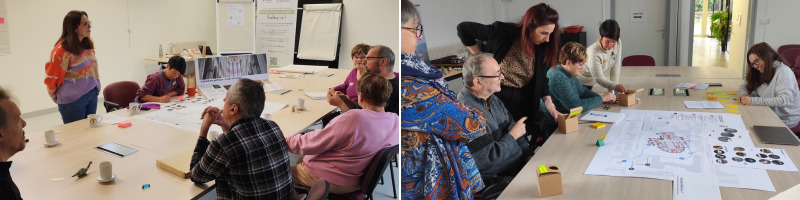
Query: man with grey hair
{"x": 249, "y": 160}
{"x": 12, "y": 140}
{"x": 380, "y": 60}
{"x": 501, "y": 150}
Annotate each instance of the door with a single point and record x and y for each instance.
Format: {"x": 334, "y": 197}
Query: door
{"x": 643, "y": 28}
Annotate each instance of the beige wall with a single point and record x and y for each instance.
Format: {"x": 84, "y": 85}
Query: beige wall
{"x": 125, "y": 32}
{"x": 740, "y": 12}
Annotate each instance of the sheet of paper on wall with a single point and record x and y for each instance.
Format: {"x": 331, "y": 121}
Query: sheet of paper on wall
{"x": 307, "y": 69}
{"x": 317, "y": 95}
{"x": 688, "y": 185}
{"x": 270, "y": 86}
{"x": 702, "y": 104}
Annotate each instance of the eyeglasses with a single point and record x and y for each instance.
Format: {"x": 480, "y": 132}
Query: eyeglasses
{"x": 499, "y": 74}
{"x": 87, "y": 24}
{"x": 372, "y": 58}
{"x": 417, "y": 30}
{"x": 357, "y": 58}
{"x": 753, "y": 64}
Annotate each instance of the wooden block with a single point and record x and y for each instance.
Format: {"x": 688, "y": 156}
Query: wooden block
{"x": 177, "y": 164}
{"x": 600, "y": 142}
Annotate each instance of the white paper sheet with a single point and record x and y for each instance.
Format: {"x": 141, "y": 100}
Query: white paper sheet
{"x": 692, "y": 186}
{"x": 656, "y": 144}
{"x": 272, "y": 107}
{"x": 750, "y": 157}
{"x": 270, "y": 86}
{"x": 600, "y": 116}
{"x": 235, "y": 15}
{"x": 111, "y": 118}
{"x": 307, "y": 69}
{"x": 702, "y": 104}
{"x": 317, "y": 95}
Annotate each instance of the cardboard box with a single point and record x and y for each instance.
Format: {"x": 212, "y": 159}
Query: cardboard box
{"x": 629, "y": 97}
{"x": 569, "y": 123}
{"x": 549, "y": 180}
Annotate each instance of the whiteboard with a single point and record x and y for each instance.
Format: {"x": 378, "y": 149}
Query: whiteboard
{"x": 319, "y": 32}
{"x": 236, "y": 26}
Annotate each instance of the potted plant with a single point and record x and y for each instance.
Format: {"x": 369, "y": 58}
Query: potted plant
{"x": 720, "y": 27}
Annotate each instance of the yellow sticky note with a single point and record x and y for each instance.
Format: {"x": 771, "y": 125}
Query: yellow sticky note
{"x": 733, "y": 111}
{"x": 731, "y": 106}
{"x": 731, "y": 93}
{"x": 542, "y": 169}
{"x": 724, "y": 101}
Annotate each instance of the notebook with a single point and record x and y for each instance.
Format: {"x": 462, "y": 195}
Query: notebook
{"x": 776, "y": 135}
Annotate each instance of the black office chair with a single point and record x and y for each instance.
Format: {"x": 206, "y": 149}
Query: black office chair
{"x": 372, "y": 174}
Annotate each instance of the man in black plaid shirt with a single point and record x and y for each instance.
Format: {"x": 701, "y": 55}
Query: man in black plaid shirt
{"x": 249, "y": 160}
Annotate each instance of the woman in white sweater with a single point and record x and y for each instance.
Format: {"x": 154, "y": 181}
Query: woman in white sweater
{"x": 772, "y": 84}
{"x": 604, "y": 58}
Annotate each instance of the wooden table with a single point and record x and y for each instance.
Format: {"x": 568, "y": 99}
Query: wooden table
{"x": 684, "y": 72}
{"x": 34, "y": 167}
{"x": 573, "y": 152}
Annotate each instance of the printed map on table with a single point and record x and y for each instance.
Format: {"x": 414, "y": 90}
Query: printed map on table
{"x": 655, "y": 144}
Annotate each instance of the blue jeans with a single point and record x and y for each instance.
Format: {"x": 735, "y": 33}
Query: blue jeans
{"x": 79, "y": 109}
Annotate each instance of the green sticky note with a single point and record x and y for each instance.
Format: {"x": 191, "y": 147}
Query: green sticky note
{"x": 575, "y": 113}
{"x": 542, "y": 169}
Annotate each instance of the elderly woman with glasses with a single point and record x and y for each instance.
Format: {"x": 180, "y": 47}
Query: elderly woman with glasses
{"x": 72, "y": 77}
{"x": 348, "y": 87}
{"x": 770, "y": 82}
{"x": 525, "y": 51}
{"x": 435, "y": 128}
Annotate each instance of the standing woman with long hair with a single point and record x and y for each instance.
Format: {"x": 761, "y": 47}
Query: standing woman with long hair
{"x": 525, "y": 51}
{"x": 770, "y": 82}
{"x": 72, "y": 79}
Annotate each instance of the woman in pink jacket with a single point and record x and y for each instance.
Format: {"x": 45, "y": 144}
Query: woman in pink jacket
{"x": 341, "y": 151}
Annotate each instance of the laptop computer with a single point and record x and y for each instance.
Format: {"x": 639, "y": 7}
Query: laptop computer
{"x": 776, "y": 135}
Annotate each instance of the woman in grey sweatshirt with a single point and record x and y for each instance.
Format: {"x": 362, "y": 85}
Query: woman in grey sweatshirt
{"x": 772, "y": 85}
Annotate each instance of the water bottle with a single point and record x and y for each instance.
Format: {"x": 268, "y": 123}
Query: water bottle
{"x": 160, "y": 51}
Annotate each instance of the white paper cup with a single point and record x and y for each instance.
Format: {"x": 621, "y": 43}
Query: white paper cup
{"x": 301, "y": 103}
{"x": 105, "y": 170}
{"x": 94, "y": 120}
{"x": 50, "y": 137}
{"x": 212, "y": 135}
{"x": 133, "y": 108}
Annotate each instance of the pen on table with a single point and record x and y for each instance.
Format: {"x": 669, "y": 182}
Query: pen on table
{"x": 598, "y": 115}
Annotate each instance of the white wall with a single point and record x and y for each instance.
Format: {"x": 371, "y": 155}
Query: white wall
{"x": 35, "y": 25}
{"x": 440, "y": 18}
{"x": 776, "y": 22}
{"x": 588, "y": 14}
{"x": 370, "y": 22}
